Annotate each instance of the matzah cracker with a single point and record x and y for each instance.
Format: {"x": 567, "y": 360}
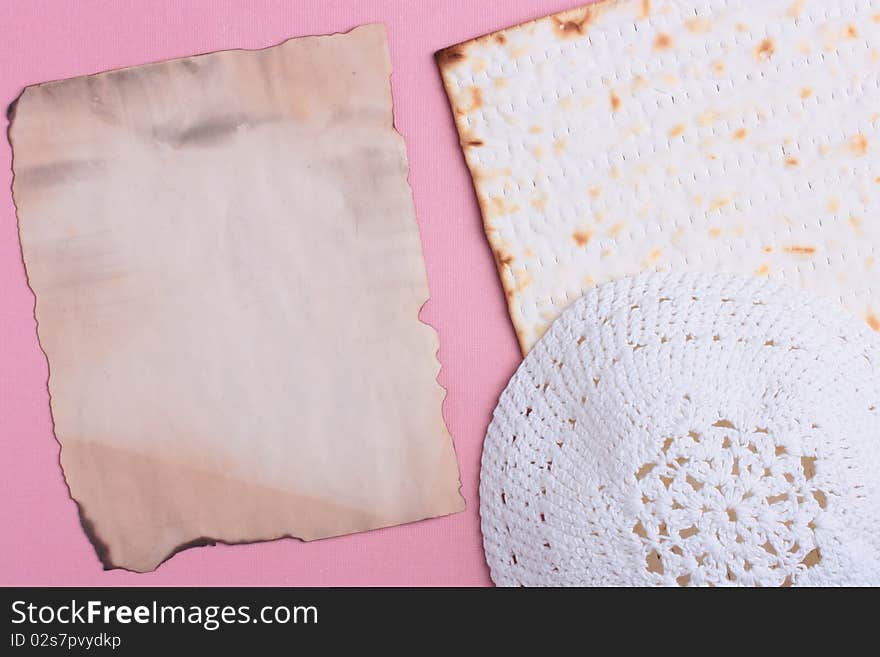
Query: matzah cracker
{"x": 720, "y": 135}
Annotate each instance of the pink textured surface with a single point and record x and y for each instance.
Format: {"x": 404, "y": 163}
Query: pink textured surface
{"x": 41, "y": 542}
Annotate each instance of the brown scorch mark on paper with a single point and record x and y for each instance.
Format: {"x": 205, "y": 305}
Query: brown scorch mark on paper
{"x": 207, "y": 132}
{"x": 56, "y": 173}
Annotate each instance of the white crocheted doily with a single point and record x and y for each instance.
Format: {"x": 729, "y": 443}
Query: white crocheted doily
{"x": 691, "y": 429}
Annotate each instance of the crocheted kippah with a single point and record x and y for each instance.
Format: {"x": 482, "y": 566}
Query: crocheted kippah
{"x": 689, "y": 429}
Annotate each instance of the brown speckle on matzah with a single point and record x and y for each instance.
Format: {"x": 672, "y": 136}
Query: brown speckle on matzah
{"x": 582, "y": 237}
{"x": 794, "y": 11}
{"x": 858, "y": 145}
{"x": 800, "y": 249}
{"x": 615, "y": 101}
{"x": 470, "y": 141}
{"x": 504, "y": 259}
{"x": 476, "y": 100}
{"x": 574, "y": 23}
{"x": 449, "y": 56}
{"x": 663, "y": 41}
{"x": 698, "y": 25}
{"x": 765, "y": 50}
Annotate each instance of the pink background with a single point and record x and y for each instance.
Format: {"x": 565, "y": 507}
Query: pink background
{"x": 41, "y": 542}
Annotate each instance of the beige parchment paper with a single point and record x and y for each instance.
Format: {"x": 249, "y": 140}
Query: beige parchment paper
{"x": 228, "y": 276}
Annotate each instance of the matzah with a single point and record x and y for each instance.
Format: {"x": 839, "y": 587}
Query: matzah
{"x": 718, "y": 135}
